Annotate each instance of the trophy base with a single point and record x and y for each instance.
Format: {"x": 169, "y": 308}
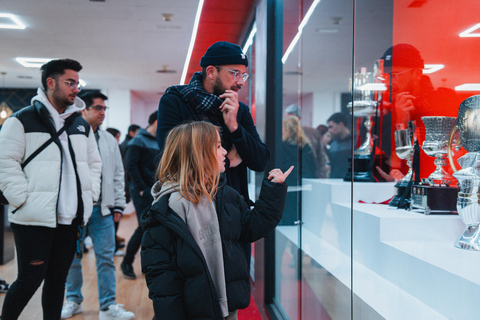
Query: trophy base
{"x": 434, "y": 199}
{"x": 470, "y": 239}
{"x": 363, "y": 171}
{"x": 399, "y": 190}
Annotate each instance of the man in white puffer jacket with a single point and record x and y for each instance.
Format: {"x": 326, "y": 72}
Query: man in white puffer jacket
{"x": 51, "y": 196}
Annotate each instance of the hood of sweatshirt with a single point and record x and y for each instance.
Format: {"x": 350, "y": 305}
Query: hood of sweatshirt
{"x": 78, "y": 105}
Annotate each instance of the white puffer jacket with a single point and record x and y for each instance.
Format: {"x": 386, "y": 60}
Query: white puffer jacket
{"x": 33, "y": 193}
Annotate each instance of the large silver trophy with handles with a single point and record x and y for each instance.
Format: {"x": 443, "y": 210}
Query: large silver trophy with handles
{"x": 436, "y": 194}
{"x": 368, "y": 88}
{"x": 437, "y": 131}
{"x": 468, "y": 205}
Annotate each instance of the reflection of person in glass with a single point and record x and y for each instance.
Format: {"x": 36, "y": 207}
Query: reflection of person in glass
{"x": 295, "y": 148}
{"x": 410, "y": 95}
{"x": 341, "y": 146}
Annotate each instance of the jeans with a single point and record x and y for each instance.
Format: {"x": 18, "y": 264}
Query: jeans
{"x": 140, "y": 203}
{"x": 102, "y": 231}
{"x": 42, "y": 254}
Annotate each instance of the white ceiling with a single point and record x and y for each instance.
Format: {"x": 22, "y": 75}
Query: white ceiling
{"x": 120, "y": 43}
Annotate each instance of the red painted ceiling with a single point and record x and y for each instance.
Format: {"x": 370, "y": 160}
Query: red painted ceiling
{"x": 220, "y": 21}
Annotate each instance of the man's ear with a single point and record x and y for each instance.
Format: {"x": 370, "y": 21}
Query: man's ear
{"x": 51, "y": 83}
{"x": 211, "y": 72}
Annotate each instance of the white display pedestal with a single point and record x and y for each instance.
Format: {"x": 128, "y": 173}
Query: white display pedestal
{"x": 405, "y": 265}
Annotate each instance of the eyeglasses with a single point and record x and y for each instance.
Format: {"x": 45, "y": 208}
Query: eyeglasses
{"x": 395, "y": 75}
{"x": 236, "y": 74}
{"x": 99, "y": 108}
{"x": 72, "y": 85}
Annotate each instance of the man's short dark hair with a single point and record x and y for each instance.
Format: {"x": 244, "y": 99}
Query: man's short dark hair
{"x": 152, "y": 118}
{"x": 89, "y": 96}
{"x": 338, "y": 117}
{"x": 56, "y": 68}
{"x": 133, "y": 127}
{"x": 113, "y": 131}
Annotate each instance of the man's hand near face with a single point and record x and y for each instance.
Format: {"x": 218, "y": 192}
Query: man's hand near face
{"x": 229, "y": 109}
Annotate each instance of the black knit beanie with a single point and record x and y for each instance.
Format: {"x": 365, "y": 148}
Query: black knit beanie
{"x": 222, "y": 53}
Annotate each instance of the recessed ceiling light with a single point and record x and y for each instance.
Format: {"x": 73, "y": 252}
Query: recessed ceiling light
{"x": 32, "y": 62}
{"x": 468, "y": 87}
{"x": 11, "y": 21}
{"x": 468, "y": 33}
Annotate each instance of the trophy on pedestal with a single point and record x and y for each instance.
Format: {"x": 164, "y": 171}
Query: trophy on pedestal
{"x": 368, "y": 88}
{"x": 468, "y": 205}
{"x": 404, "y": 141}
{"x": 434, "y": 194}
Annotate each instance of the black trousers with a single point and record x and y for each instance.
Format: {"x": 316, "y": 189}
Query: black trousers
{"x": 43, "y": 254}
{"x": 140, "y": 202}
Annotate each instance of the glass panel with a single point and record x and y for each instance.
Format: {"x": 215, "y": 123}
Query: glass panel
{"x": 326, "y": 66}
{"x": 415, "y": 264}
{"x": 287, "y": 233}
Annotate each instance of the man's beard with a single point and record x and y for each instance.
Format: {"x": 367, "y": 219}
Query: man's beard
{"x": 219, "y": 88}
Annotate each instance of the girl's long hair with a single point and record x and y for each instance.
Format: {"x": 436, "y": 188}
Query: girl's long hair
{"x": 190, "y": 160}
{"x": 294, "y": 132}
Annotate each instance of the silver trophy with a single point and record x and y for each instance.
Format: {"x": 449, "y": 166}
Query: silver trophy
{"x": 468, "y": 177}
{"x": 405, "y": 149}
{"x": 436, "y": 145}
{"x": 404, "y": 140}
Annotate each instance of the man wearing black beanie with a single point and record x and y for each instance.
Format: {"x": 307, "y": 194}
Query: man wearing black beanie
{"x": 212, "y": 95}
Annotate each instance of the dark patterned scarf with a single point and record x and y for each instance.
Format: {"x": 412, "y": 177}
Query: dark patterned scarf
{"x": 205, "y": 103}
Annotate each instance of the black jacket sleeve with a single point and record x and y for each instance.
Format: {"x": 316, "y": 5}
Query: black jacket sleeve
{"x": 266, "y": 214}
{"x": 252, "y": 150}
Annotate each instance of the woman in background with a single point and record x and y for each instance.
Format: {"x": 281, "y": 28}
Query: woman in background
{"x": 193, "y": 262}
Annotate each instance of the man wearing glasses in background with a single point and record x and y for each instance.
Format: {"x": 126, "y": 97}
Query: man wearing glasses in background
{"x": 51, "y": 195}
{"x": 212, "y": 95}
{"x": 100, "y": 227}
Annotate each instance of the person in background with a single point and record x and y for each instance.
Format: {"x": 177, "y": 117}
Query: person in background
{"x": 191, "y": 253}
{"x": 315, "y": 142}
{"x": 52, "y": 196}
{"x": 340, "y": 146}
{"x": 118, "y": 240}
{"x": 132, "y": 131}
{"x": 141, "y": 161}
{"x": 100, "y": 226}
{"x": 114, "y": 132}
{"x": 295, "y": 149}
{"x": 212, "y": 95}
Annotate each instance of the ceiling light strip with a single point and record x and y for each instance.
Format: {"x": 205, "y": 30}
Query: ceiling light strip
{"x": 32, "y": 62}
{"x": 300, "y": 30}
{"x": 468, "y": 33}
{"x": 468, "y": 87}
{"x": 17, "y": 23}
{"x": 250, "y": 38}
{"x": 192, "y": 42}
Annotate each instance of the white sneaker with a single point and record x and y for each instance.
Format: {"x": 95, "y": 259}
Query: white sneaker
{"x": 69, "y": 309}
{"x": 116, "y": 312}
{"x": 119, "y": 253}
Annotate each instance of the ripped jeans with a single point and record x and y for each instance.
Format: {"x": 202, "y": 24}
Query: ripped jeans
{"x": 42, "y": 254}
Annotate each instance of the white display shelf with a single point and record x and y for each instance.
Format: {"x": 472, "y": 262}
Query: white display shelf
{"x": 405, "y": 264}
